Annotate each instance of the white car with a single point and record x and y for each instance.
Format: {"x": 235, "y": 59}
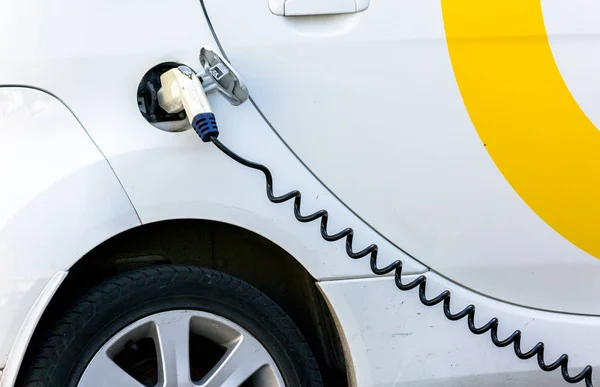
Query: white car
{"x": 460, "y": 138}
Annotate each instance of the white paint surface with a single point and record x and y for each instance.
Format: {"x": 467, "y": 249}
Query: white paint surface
{"x": 60, "y": 199}
{"x": 408, "y": 344}
{"x": 175, "y": 175}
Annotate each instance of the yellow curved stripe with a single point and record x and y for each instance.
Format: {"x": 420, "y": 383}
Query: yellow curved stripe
{"x": 532, "y": 127}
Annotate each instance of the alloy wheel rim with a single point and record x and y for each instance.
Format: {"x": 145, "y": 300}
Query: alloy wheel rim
{"x": 159, "y": 350}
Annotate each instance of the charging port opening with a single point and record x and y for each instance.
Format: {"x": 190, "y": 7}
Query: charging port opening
{"x": 147, "y": 100}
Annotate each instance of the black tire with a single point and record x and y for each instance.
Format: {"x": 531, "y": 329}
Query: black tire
{"x": 128, "y": 297}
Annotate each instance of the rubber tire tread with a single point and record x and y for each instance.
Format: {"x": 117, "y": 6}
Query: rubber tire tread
{"x": 127, "y": 297}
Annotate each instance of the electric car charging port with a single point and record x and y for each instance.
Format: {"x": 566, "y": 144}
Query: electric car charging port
{"x": 147, "y": 99}
{"x": 168, "y": 109}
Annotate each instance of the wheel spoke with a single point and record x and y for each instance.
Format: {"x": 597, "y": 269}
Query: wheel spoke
{"x": 240, "y": 362}
{"x": 102, "y": 371}
{"x": 245, "y": 356}
{"x": 172, "y": 348}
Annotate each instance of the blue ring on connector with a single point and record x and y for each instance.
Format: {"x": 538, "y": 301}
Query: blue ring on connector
{"x": 205, "y": 126}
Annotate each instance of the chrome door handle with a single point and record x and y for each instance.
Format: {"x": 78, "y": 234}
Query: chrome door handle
{"x": 316, "y": 7}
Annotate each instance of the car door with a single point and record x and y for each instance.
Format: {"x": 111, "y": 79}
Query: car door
{"x": 464, "y": 131}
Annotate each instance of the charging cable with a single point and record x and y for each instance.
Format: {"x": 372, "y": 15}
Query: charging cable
{"x": 182, "y": 90}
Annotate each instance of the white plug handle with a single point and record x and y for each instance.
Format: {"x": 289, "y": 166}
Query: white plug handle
{"x": 181, "y": 89}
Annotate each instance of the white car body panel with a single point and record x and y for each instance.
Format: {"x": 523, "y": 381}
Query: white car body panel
{"x": 174, "y": 175}
{"x": 27, "y": 327}
{"x": 408, "y": 159}
{"x": 408, "y": 344}
{"x": 60, "y": 200}
{"x": 127, "y": 173}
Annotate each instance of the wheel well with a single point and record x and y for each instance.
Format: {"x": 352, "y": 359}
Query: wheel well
{"x": 219, "y": 246}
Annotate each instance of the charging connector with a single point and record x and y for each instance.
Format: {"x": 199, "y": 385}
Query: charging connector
{"x": 182, "y": 90}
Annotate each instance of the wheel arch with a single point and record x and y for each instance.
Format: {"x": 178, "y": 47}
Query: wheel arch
{"x": 217, "y": 245}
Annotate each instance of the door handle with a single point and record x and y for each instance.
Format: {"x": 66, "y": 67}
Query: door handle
{"x": 316, "y": 7}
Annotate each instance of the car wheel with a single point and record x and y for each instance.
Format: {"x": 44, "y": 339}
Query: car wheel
{"x": 174, "y": 325}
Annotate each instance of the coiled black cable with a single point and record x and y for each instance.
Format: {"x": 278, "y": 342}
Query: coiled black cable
{"x": 421, "y": 281}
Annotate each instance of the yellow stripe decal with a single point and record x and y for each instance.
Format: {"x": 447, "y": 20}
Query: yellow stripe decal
{"x": 531, "y": 125}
